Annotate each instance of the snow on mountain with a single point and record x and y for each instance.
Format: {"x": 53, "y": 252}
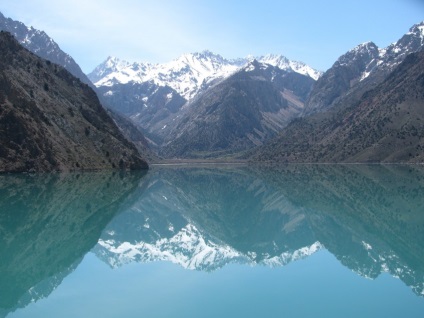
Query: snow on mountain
{"x": 111, "y": 65}
{"x": 288, "y": 65}
{"x": 188, "y": 74}
{"x": 411, "y": 42}
{"x": 190, "y": 249}
{"x": 388, "y": 58}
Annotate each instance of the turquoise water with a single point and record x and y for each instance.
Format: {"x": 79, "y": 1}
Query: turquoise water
{"x": 223, "y": 241}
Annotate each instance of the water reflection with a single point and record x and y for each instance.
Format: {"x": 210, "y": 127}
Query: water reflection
{"x": 48, "y": 223}
{"x": 370, "y": 217}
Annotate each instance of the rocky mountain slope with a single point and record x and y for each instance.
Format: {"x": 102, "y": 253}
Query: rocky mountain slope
{"x": 39, "y": 43}
{"x": 361, "y": 69}
{"x": 50, "y": 120}
{"x": 238, "y": 113}
{"x": 385, "y": 125}
{"x": 148, "y": 106}
{"x": 154, "y": 96}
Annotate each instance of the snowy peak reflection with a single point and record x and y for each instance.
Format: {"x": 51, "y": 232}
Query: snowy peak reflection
{"x": 369, "y": 217}
{"x": 205, "y": 218}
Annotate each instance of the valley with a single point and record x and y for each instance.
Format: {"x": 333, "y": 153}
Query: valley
{"x": 202, "y": 107}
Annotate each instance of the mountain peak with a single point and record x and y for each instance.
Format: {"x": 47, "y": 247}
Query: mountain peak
{"x": 285, "y": 64}
{"x": 363, "y": 53}
{"x": 110, "y": 65}
{"x": 417, "y": 29}
{"x": 204, "y": 56}
{"x": 207, "y": 53}
{"x": 366, "y": 45}
{"x": 252, "y": 65}
{"x": 113, "y": 61}
{"x": 276, "y": 58}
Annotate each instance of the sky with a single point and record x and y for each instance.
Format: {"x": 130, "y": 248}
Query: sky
{"x": 315, "y": 32}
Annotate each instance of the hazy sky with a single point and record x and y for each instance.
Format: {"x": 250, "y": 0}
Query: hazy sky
{"x": 316, "y": 32}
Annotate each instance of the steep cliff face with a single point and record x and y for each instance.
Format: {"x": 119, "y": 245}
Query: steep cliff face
{"x": 50, "y": 120}
{"x": 341, "y": 77}
{"x": 39, "y": 43}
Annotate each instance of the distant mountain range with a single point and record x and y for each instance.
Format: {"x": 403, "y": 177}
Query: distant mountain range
{"x": 160, "y": 98}
{"x": 199, "y": 106}
{"x": 189, "y": 74}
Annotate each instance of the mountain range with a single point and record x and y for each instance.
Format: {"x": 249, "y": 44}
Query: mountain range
{"x": 384, "y": 125}
{"x": 200, "y": 106}
{"x": 159, "y": 98}
{"x": 189, "y": 74}
{"x": 268, "y": 108}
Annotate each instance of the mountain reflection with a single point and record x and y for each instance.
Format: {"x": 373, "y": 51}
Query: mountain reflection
{"x": 48, "y": 222}
{"x": 370, "y": 217}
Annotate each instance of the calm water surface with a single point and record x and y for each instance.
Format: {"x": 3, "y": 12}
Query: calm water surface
{"x": 297, "y": 241}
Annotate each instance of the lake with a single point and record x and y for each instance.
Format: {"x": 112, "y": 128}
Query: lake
{"x": 214, "y": 241}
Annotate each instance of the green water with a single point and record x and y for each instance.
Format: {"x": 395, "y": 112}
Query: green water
{"x": 298, "y": 241}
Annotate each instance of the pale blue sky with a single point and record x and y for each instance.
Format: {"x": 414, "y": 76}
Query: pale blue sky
{"x": 316, "y": 32}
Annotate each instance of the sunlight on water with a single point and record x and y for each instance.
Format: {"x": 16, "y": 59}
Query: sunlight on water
{"x": 298, "y": 241}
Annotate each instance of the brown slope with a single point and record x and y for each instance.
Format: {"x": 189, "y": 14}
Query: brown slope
{"x": 386, "y": 125}
{"x": 50, "y": 120}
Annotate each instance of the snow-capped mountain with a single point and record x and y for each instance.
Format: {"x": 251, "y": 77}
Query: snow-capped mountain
{"x": 388, "y": 58}
{"x": 188, "y": 74}
{"x": 158, "y": 97}
{"x": 361, "y": 69}
{"x": 287, "y": 65}
{"x": 411, "y": 42}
